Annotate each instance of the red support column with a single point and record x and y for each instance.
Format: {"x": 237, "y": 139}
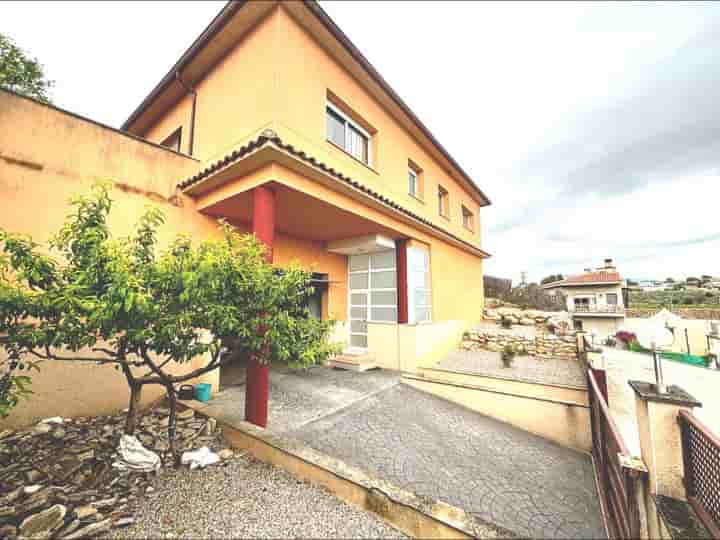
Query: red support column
{"x": 402, "y": 284}
{"x": 257, "y": 383}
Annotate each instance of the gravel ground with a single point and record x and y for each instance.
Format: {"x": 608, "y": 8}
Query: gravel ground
{"x": 245, "y": 498}
{"x": 526, "y": 368}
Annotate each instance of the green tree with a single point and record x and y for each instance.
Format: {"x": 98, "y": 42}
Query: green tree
{"x": 116, "y": 301}
{"x": 20, "y": 73}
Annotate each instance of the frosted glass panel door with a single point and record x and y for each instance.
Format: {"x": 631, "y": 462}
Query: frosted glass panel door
{"x": 419, "y": 308}
{"x": 372, "y": 284}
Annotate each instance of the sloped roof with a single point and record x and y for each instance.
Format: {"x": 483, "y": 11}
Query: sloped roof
{"x": 596, "y": 277}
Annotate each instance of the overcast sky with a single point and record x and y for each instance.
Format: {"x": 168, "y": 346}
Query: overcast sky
{"x": 593, "y": 127}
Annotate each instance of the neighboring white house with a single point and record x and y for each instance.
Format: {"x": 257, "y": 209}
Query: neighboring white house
{"x": 596, "y": 299}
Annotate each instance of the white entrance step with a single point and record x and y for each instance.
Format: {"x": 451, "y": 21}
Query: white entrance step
{"x": 353, "y": 361}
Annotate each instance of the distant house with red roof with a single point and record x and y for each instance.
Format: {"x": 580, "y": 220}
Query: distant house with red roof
{"x": 596, "y": 299}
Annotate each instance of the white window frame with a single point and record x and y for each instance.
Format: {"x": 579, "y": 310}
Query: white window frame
{"x": 443, "y": 195}
{"x": 412, "y": 172}
{"x": 350, "y": 122}
{"x": 467, "y": 213}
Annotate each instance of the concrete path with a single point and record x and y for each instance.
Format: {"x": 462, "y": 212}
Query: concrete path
{"x": 440, "y": 450}
{"x": 432, "y": 448}
{"x": 299, "y": 397}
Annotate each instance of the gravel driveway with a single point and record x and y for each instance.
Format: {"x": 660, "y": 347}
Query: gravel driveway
{"x": 246, "y": 498}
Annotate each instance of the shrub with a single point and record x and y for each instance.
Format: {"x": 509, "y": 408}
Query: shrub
{"x": 144, "y": 312}
{"x": 508, "y": 355}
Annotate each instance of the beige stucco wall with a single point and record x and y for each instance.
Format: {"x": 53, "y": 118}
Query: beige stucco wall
{"x": 566, "y": 423}
{"x": 601, "y": 327}
{"x": 49, "y": 157}
{"x": 406, "y": 347}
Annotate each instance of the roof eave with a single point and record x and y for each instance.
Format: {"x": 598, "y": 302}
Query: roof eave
{"x": 218, "y": 22}
{"x": 270, "y": 138}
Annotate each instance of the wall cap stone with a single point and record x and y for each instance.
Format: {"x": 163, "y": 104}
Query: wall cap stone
{"x": 675, "y": 395}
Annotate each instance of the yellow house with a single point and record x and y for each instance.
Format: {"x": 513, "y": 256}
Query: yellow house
{"x": 275, "y": 121}
{"x": 273, "y": 96}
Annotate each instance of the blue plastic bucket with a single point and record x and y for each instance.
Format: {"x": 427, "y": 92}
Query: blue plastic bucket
{"x": 202, "y": 392}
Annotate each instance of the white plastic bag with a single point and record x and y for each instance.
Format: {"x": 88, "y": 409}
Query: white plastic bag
{"x": 199, "y": 458}
{"x": 134, "y": 456}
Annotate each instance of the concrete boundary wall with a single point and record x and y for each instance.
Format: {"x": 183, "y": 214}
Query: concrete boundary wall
{"x": 556, "y": 413}
{"x": 415, "y": 516}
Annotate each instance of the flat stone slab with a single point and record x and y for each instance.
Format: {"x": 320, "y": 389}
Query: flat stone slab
{"x": 440, "y": 450}
{"x": 558, "y": 371}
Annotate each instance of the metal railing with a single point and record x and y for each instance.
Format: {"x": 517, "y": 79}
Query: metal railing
{"x": 598, "y": 308}
{"x": 701, "y": 459}
{"x": 617, "y": 484}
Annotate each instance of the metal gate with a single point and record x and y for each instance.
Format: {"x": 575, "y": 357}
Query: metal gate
{"x": 617, "y": 484}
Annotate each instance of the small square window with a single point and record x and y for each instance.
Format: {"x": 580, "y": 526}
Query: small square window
{"x": 468, "y": 219}
{"x": 443, "y": 202}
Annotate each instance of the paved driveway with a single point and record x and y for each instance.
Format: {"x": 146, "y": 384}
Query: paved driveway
{"x": 432, "y": 448}
{"x": 437, "y": 449}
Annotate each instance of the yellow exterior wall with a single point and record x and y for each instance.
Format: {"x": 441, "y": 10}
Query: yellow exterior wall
{"x": 53, "y": 157}
{"x": 278, "y": 76}
{"x": 234, "y": 100}
{"x": 302, "y": 113}
{"x": 455, "y": 273}
{"x": 56, "y": 156}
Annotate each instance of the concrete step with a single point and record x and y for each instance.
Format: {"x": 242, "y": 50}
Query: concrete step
{"x": 353, "y": 362}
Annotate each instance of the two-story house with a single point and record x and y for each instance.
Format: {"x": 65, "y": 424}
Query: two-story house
{"x": 276, "y": 122}
{"x": 305, "y": 144}
{"x": 596, "y": 299}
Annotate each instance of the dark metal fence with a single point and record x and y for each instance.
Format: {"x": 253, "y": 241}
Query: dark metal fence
{"x": 701, "y": 457}
{"x": 617, "y": 484}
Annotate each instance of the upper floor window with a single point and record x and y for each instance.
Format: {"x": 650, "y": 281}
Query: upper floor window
{"x": 412, "y": 182}
{"x": 346, "y": 134}
{"x": 468, "y": 219}
{"x": 173, "y": 140}
{"x": 443, "y": 202}
{"x": 415, "y": 181}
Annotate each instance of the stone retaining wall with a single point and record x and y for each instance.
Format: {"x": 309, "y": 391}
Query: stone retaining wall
{"x": 542, "y": 345}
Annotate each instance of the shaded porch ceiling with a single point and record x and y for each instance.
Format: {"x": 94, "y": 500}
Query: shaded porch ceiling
{"x": 301, "y": 216}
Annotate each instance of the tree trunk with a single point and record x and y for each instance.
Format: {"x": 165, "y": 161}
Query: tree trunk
{"x": 172, "y": 399}
{"x": 131, "y": 419}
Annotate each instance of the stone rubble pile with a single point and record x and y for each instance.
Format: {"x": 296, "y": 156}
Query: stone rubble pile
{"x": 57, "y": 478}
{"x": 542, "y": 345}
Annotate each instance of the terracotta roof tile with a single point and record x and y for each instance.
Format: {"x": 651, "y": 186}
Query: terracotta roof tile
{"x": 269, "y": 136}
{"x": 600, "y": 276}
